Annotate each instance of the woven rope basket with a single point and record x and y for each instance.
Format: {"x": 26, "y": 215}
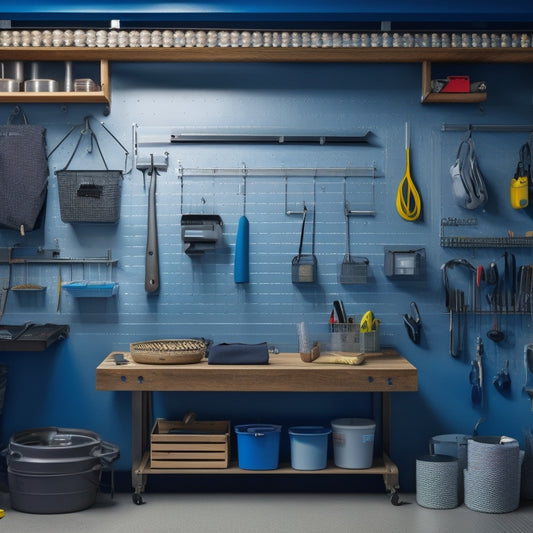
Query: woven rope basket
{"x": 492, "y": 479}
{"x": 168, "y": 351}
{"x": 436, "y": 481}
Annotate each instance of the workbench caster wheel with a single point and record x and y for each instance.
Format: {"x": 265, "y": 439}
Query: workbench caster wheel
{"x": 395, "y": 498}
{"x": 137, "y": 499}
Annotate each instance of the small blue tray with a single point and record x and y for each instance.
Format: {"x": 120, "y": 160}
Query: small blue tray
{"x": 91, "y": 289}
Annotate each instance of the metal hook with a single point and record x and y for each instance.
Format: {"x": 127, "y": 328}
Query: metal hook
{"x": 87, "y": 127}
{"x": 287, "y": 211}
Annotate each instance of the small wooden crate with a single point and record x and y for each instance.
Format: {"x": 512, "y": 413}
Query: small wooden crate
{"x": 191, "y": 445}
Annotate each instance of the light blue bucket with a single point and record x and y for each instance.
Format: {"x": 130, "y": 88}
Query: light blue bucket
{"x": 309, "y": 447}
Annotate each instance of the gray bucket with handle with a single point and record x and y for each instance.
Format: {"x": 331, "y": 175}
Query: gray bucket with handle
{"x": 56, "y": 470}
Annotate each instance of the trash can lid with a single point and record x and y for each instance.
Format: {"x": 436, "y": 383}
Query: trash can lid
{"x": 257, "y": 428}
{"x": 437, "y": 458}
{"x": 309, "y": 430}
{"x": 352, "y": 423}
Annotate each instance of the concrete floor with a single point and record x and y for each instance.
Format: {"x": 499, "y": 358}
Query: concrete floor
{"x": 264, "y": 512}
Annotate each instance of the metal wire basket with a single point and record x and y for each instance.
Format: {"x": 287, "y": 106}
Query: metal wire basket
{"x": 168, "y": 351}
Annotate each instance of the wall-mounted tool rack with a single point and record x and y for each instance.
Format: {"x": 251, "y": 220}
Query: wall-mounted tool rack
{"x": 287, "y": 172}
{"x": 486, "y": 242}
{"x": 43, "y": 256}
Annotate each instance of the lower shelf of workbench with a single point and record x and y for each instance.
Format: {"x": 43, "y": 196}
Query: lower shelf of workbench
{"x": 381, "y": 466}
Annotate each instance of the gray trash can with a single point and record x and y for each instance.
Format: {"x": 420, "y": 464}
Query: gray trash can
{"x": 56, "y": 470}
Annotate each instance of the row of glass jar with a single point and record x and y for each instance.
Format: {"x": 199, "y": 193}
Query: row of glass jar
{"x": 228, "y": 38}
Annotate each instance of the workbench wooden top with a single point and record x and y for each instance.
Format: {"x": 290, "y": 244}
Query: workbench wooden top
{"x": 388, "y": 371}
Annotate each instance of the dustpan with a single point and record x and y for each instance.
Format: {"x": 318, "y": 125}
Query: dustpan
{"x": 353, "y": 270}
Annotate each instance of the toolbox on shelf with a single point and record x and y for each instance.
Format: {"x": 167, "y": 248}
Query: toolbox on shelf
{"x": 190, "y": 445}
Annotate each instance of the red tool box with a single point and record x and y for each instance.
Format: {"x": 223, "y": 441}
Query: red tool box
{"x": 457, "y": 84}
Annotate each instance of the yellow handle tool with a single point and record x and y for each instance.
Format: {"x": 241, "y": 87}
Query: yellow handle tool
{"x": 368, "y": 323}
{"x": 408, "y": 203}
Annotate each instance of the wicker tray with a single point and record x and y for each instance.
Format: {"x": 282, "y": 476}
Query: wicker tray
{"x": 168, "y": 351}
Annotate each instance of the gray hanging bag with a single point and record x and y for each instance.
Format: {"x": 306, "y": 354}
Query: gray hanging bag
{"x": 89, "y": 195}
{"x": 23, "y": 174}
{"x": 468, "y": 185}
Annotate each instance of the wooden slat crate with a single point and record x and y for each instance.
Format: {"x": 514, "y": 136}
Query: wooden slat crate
{"x": 192, "y": 445}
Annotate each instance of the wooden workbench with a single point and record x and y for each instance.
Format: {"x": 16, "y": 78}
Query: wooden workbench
{"x": 379, "y": 374}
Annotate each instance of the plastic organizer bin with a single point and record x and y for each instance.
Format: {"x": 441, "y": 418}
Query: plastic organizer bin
{"x": 91, "y": 289}
{"x": 348, "y": 338}
{"x": 309, "y": 447}
{"x": 258, "y": 446}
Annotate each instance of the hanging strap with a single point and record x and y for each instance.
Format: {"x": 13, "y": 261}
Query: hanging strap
{"x": 93, "y": 137}
{"x": 524, "y": 164}
{"x": 302, "y": 234}
{"x": 17, "y": 116}
{"x": 86, "y": 128}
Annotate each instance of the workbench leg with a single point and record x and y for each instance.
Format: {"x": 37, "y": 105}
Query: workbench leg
{"x": 141, "y": 417}
{"x": 391, "y": 478}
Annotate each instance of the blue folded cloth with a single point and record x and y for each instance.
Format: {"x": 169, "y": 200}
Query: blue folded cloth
{"x": 238, "y": 354}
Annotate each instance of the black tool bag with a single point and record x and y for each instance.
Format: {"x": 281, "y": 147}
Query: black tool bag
{"x": 23, "y": 174}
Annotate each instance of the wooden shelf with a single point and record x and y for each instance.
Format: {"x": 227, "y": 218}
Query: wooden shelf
{"x": 380, "y": 466}
{"x": 260, "y": 55}
{"x": 267, "y": 54}
{"x": 101, "y": 96}
{"x": 429, "y": 97}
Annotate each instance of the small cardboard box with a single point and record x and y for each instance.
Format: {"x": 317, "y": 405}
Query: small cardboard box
{"x": 190, "y": 445}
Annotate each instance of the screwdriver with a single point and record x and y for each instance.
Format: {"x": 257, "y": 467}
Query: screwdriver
{"x": 528, "y": 363}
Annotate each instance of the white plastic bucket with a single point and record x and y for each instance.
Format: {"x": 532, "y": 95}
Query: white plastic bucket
{"x": 353, "y": 442}
{"x": 309, "y": 447}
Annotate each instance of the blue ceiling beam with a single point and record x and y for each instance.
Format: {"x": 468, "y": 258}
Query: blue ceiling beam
{"x": 348, "y": 11}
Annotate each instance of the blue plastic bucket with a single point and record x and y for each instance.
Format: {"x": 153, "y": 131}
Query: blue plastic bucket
{"x": 258, "y": 446}
{"x": 309, "y": 447}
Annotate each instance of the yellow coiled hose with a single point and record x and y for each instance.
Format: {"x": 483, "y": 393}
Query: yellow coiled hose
{"x": 408, "y": 203}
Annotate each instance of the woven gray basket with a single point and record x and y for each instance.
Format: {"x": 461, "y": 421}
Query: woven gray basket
{"x": 492, "y": 480}
{"x": 436, "y": 481}
{"x": 89, "y": 195}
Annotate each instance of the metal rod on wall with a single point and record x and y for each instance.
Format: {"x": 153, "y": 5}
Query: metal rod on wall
{"x": 351, "y": 172}
{"x": 488, "y": 127}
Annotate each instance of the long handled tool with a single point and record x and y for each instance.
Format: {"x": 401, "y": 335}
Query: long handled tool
{"x": 242, "y": 246}
{"x": 476, "y": 374}
{"x": 151, "y": 280}
{"x": 4, "y": 287}
{"x": 353, "y": 270}
{"x": 528, "y": 366}
{"x": 408, "y": 203}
